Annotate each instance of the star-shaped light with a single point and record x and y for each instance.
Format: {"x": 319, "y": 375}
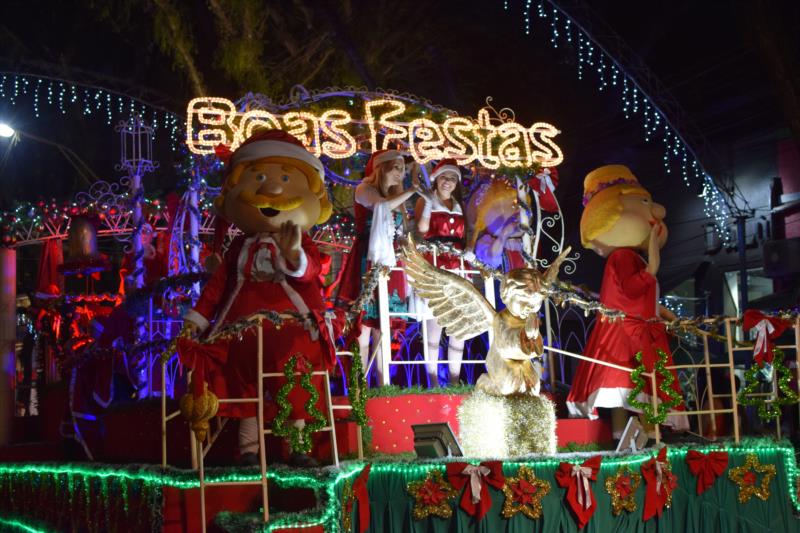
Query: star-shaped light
{"x": 746, "y": 478}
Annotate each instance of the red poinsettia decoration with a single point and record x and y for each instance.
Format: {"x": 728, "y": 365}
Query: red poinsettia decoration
{"x": 661, "y": 482}
{"x": 432, "y": 493}
{"x": 576, "y": 478}
{"x": 707, "y": 467}
{"x": 767, "y": 329}
{"x": 624, "y": 486}
{"x": 523, "y": 492}
{"x": 475, "y": 499}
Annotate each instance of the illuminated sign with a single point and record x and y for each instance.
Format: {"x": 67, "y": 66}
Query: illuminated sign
{"x": 336, "y": 133}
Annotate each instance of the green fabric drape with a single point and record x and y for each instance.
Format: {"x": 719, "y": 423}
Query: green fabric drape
{"x": 716, "y": 510}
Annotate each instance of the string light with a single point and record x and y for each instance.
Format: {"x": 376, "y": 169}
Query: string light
{"x": 328, "y": 483}
{"x": 493, "y": 142}
{"x": 63, "y": 96}
{"x": 677, "y": 155}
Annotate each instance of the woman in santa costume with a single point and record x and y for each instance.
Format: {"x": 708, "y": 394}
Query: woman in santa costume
{"x": 440, "y": 219}
{"x": 273, "y": 193}
{"x": 378, "y": 209}
{"x": 620, "y": 221}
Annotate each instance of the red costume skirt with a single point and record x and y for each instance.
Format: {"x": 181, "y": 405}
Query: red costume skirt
{"x": 238, "y": 377}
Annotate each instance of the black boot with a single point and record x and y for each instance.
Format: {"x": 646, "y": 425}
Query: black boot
{"x": 301, "y": 460}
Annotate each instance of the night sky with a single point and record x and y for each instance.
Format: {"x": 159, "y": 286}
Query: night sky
{"x": 704, "y": 54}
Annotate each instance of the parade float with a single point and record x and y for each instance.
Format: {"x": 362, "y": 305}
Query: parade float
{"x": 153, "y": 440}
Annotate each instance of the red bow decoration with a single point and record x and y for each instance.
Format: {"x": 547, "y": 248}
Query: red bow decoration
{"x": 361, "y": 494}
{"x": 544, "y": 185}
{"x": 767, "y": 329}
{"x": 660, "y": 484}
{"x": 223, "y": 153}
{"x": 202, "y": 358}
{"x": 575, "y": 478}
{"x": 706, "y": 467}
{"x": 476, "y": 500}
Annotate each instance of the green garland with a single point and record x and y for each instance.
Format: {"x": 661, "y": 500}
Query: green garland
{"x": 357, "y": 389}
{"x": 299, "y": 438}
{"x": 665, "y": 387}
{"x": 389, "y": 391}
{"x": 769, "y": 410}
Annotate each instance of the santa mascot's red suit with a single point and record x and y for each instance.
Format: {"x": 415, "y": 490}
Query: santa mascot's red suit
{"x": 273, "y": 193}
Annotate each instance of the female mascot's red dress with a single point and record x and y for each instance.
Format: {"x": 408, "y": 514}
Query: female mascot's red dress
{"x": 626, "y": 286}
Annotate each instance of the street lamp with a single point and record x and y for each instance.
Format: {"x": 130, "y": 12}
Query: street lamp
{"x": 6, "y": 130}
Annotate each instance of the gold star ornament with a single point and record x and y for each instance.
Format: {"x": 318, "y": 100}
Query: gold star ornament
{"x": 746, "y": 478}
{"x": 524, "y": 494}
{"x": 432, "y": 496}
{"x": 622, "y": 488}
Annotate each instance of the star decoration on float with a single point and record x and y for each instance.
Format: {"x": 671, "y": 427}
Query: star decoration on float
{"x": 746, "y": 478}
{"x": 524, "y": 494}
{"x": 432, "y": 496}
{"x": 622, "y": 488}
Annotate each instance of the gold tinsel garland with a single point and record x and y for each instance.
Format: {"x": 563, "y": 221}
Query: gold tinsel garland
{"x": 347, "y": 506}
{"x": 623, "y": 480}
{"x": 432, "y": 496}
{"x": 524, "y": 494}
{"x": 746, "y": 478}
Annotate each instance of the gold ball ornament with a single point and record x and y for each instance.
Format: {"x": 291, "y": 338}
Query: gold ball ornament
{"x": 199, "y": 410}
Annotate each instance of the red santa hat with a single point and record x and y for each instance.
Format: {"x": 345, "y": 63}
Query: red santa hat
{"x": 275, "y": 143}
{"x": 445, "y": 165}
{"x": 380, "y": 157}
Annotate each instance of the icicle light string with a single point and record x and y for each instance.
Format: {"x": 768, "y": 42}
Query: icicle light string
{"x": 64, "y": 96}
{"x": 593, "y": 58}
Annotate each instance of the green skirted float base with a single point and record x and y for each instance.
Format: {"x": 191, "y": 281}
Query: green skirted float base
{"x": 94, "y": 497}
{"x": 506, "y": 426}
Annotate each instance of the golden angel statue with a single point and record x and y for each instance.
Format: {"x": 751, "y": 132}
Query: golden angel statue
{"x": 465, "y": 312}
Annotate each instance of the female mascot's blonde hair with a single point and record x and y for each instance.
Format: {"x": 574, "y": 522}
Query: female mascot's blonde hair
{"x": 602, "y": 190}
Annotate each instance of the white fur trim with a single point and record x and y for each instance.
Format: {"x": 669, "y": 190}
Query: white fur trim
{"x": 293, "y": 295}
{"x": 298, "y": 272}
{"x": 262, "y": 149}
{"x": 241, "y": 262}
{"x": 611, "y": 397}
{"x": 389, "y": 155}
{"x": 439, "y": 207}
{"x": 445, "y": 168}
{"x": 197, "y": 319}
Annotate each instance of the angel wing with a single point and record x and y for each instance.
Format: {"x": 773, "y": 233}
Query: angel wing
{"x": 455, "y": 302}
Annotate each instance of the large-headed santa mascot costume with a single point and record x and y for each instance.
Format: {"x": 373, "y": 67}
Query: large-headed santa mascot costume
{"x": 620, "y": 221}
{"x": 273, "y": 193}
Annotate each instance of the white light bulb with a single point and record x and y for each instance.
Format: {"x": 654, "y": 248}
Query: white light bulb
{"x": 6, "y": 130}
